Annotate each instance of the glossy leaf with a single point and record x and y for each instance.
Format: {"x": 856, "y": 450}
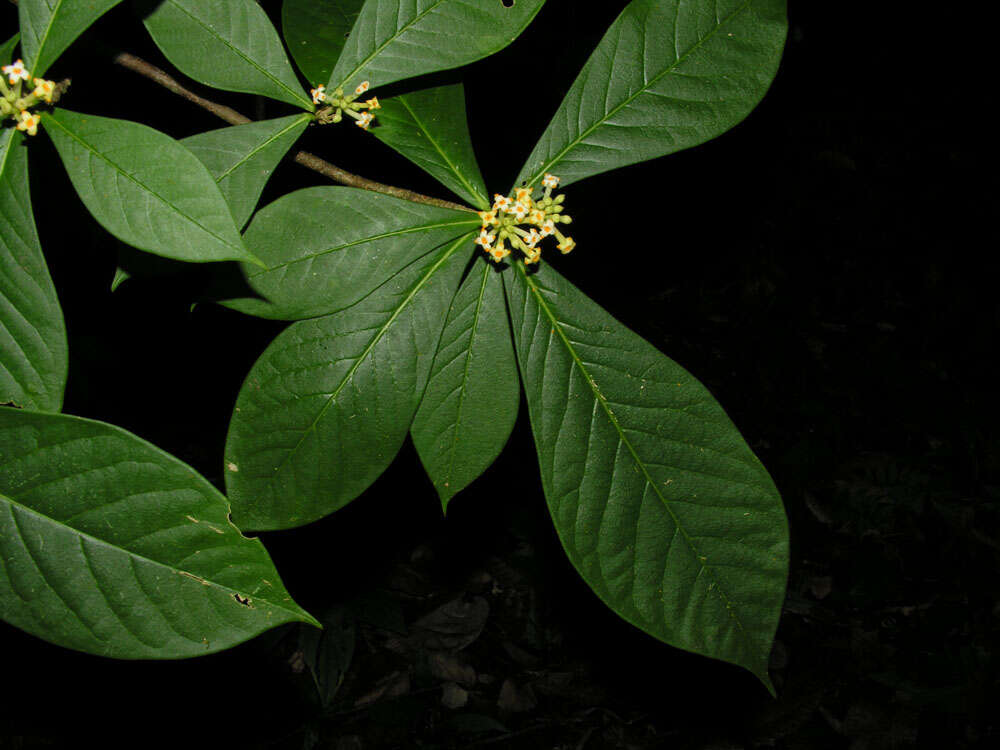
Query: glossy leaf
{"x": 111, "y": 546}
{"x": 659, "y": 503}
{"x": 430, "y": 129}
{"x": 396, "y": 39}
{"x": 327, "y": 406}
{"x": 48, "y": 27}
{"x": 471, "y": 402}
{"x": 33, "y": 358}
{"x": 230, "y": 45}
{"x": 7, "y": 49}
{"x": 668, "y": 75}
{"x": 316, "y": 31}
{"x": 327, "y": 247}
{"x": 241, "y": 158}
{"x": 145, "y": 188}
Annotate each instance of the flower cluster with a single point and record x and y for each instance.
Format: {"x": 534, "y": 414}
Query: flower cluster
{"x": 17, "y": 107}
{"x": 337, "y": 105}
{"x": 502, "y": 224}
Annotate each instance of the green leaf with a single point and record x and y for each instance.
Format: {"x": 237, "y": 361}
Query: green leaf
{"x": 659, "y": 503}
{"x": 120, "y": 277}
{"x": 668, "y": 75}
{"x": 33, "y": 358}
{"x": 328, "y": 405}
{"x": 316, "y": 31}
{"x": 230, "y": 45}
{"x": 430, "y": 129}
{"x": 327, "y": 247}
{"x": 111, "y": 546}
{"x": 328, "y": 652}
{"x": 145, "y": 188}
{"x": 241, "y": 158}
{"x": 396, "y": 39}
{"x": 48, "y": 27}
{"x": 7, "y": 49}
{"x": 470, "y": 405}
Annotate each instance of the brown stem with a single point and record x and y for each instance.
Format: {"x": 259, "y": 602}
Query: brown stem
{"x": 306, "y": 159}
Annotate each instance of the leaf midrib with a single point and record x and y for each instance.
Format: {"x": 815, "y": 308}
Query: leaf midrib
{"x": 164, "y": 201}
{"x": 178, "y": 571}
{"x": 297, "y": 95}
{"x": 371, "y": 345}
{"x": 483, "y": 201}
{"x": 45, "y": 37}
{"x": 465, "y": 373}
{"x": 642, "y": 90}
{"x": 557, "y": 326}
{"x": 364, "y": 240}
{"x": 298, "y": 121}
{"x": 378, "y": 50}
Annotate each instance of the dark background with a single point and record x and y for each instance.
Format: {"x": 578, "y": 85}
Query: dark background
{"x": 823, "y": 268}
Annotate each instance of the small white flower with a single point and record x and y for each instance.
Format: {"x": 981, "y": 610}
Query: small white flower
{"x": 365, "y": 120}
{"x": 566, "y": 245}
{"x": 28, "y": 121}
{"x": 44, "y": 89}
{"x": 362, "y": 88}
{"x": 318, "y": 94}
{"x": 485, "y": 239}
{"x": 550, "y": 181}
{"x": 16, "y": 72}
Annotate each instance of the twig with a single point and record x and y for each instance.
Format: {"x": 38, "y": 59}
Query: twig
{"x": 306, "y": 159}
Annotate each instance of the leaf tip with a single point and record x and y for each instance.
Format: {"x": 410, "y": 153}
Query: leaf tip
{"x": 253, "y": 259}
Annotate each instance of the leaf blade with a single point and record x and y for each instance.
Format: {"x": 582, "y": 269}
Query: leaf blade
{"x": 241, "y": 158}
{"x": 668, "y": 75}
{"x": 393, "y": 40}
{"x": 230, "y": 45}
{"x": 470, "y": 405}
{"x": 145, "y": 188}
{"x": 327, "y": 406}
{"x": 627, "y": 442}
{"x": 327, "y": 247}
{"x": 316, "y": 31}
{"x": 33, "y": 350}
{"x": 7, "y": 49}
{"x": 48, "y": 27}
{"x": 113, "y": 547}
{"x": 429, "y": 128}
